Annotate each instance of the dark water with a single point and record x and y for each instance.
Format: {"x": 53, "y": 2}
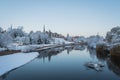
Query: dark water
{"x": 67, "y": 64}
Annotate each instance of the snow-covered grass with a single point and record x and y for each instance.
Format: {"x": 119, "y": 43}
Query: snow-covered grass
{"x": 26, "y": 48}
{"x": 3, "y": 49}
{"x": 13, "y": 61}
{"x": 60, "y": 41}
{"x": 33, "y": 47}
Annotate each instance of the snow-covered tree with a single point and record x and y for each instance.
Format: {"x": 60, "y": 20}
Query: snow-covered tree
{"x": 113, "y": 36}
{"x": 16, "y": 32}
{"x": 22, "y": 40}
{"x": 1, "y": 30}
{"x": 39, "y": 38}
{"x": 92, "y": 41}
{"x": 44, "y": 38}
{"x": 5, "y": 39}
{"x": 34, "y": 37}
{"x": 80, "y": 39}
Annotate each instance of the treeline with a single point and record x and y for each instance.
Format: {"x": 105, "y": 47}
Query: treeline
{"x": 17, "y": 35}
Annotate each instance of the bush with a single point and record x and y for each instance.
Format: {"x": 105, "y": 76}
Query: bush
{"x": 102, "y": 48}
{"x": 115, "y": 50}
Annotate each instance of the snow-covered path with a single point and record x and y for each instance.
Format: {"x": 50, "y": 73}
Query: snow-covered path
{"x": 13, "y": 61}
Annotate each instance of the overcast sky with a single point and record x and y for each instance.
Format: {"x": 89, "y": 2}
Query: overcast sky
{"x": 76, "y": 17}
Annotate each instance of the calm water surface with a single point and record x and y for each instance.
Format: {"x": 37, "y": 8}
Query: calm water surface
{"x": 66, "y": 64}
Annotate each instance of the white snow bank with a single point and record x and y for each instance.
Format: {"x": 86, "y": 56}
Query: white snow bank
{"x": 60, "y": 41}
{"x": 13, "y": 61}
{"x": 3, "y": 49}
{"x": 25, "y": 48}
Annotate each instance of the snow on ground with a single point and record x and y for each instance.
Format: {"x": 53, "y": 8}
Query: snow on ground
{"x": 61, "y": 41}
{"x": 3, "y": 49}
{"x": 13, "y": 61}
{"x": 26, "y": 48}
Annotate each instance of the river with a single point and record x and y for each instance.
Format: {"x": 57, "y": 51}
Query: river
{"x": 66, "y": 63}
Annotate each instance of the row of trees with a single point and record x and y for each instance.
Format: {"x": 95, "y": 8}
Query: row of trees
{"x": 17, "y": 35}
{"x": 113, "y": 36}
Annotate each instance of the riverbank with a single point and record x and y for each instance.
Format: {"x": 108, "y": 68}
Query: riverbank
{"x": 19, "y": 56}
{"x": 10, "y": 62}
{"x": 68, "y": 63}
{"x": 29, "y": 48}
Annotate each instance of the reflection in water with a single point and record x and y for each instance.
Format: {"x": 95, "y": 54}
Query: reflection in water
{"x": 69, "y": 49}
{"x": 79, "y": 47}
{"x": 101, "y": 56}
{"x": 49, "y": 53}
{"x": 55, "y": 51}
{"x": 116, "y": 60}
{"x": 5, "y": 75}
{"x": 92, "y": 53}
{"x": 42, "y": 54}
{"x": 114, "y": 64}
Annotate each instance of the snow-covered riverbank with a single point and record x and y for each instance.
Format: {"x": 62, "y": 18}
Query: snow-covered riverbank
{"x": 13, "y": 61}
{"x": 31, "y": 47}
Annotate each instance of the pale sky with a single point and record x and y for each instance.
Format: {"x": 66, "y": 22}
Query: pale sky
{"x": 76, "y": 17}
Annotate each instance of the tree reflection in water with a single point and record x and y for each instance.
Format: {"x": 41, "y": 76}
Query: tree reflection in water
{"x": 55, "y": 51}
{"x": 79, "y": 47}
{"x": 114, "y": 64}
{"x": 102, "y": 56}
{"x": 69, "y": 49}
{"x": 92, "y": 52}
{"x": 49, "y": 53}
{"x": 75, "y": 47}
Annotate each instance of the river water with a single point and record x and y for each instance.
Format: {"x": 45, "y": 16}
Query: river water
{"x": 66, "y": 63}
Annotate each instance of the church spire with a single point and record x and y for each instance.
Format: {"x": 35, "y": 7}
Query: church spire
{"x": 44, "y": 28}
